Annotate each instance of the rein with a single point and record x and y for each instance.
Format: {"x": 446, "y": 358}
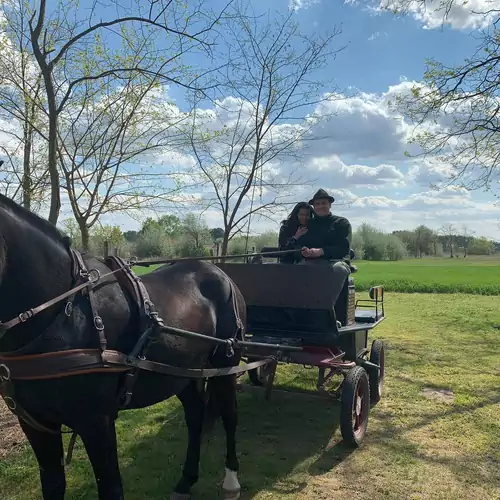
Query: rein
{"x": 26, "y": 315}
{"x": 147, "y": 263}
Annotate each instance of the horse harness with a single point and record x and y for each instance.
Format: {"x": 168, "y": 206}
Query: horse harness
{"x": 52, "y": 365}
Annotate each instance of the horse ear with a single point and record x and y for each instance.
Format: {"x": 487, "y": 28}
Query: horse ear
{"x": 67, "y": 241}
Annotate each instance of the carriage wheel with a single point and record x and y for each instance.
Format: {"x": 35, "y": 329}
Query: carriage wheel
{"x": 355, "y": 406}
{"x": 377, "y": 356}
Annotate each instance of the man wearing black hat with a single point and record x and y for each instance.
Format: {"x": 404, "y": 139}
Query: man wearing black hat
{"x": 328, "y": 236}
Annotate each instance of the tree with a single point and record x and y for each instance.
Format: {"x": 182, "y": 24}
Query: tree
{"x": 105, "y": 147}
{"x": 171, "y": 225}
{"x": 21, "y": 99}
{"x": 481, "y": 246}
{"x": 448, "y": 231}
{"x": 58, "y": 38}
{"x": 456, "y": 108}
{"x": 195, "y": 236}
{"x": 423, "y": 240}
{"x": 269, "y": 75}
{"x": 466, "y": 238}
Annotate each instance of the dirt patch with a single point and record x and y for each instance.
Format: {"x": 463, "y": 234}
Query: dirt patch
{"x": 441, "y": 395}
{"x": 11, "y": 435}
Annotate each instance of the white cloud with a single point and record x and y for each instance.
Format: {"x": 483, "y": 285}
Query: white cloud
{"x": 459, "y": 14}
{"x": 332, "y": 168}
{"x": 362, "y": 126}
{"x": 301, "y": 4}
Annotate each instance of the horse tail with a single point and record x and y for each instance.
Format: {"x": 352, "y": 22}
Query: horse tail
{"x": 221, "y": 391}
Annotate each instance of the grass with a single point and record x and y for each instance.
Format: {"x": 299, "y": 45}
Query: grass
{"x": 474, "y": 275}
{"x": 471, "y": 275}
{"x": 416, "y": 447}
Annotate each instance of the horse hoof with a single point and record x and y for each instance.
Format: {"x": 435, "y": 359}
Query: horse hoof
{"x": 180, "y": 496}
{"x": 231, "y": 494}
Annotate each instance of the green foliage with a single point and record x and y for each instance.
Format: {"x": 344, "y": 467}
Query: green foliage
{"x": 153, "y": 243}
{"x": 100, "y": 234}
{"x": 71, "y": 229}
{"x": 371, "y": 244}
{"x": 170, "y": 224}
{"x": 481, "y": 246}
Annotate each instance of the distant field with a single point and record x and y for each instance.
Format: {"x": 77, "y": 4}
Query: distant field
{"x": 472, "y": 275}
{"x": 475, "y": 275}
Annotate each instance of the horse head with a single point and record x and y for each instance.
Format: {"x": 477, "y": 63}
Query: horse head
{"x": 34, "y": 267}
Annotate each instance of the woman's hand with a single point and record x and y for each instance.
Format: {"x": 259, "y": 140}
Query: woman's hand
{"x": 312, "y": 253}
{"x": 300, "y": 232}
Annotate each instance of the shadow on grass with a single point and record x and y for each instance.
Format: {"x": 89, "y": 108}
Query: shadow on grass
{"x": 291, "y": 433}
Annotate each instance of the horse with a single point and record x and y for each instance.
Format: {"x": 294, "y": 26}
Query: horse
{"x": 37, "y": 264}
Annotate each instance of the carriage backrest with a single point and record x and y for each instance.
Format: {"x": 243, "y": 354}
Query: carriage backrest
{"x": 280, "y": 285}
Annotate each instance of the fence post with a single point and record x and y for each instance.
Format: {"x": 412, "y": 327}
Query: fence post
{"x": 106, "y": 249}
{"x": 116, "y": 252}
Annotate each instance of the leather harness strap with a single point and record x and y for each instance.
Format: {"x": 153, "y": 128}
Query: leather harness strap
{"x": 82, "y": 361}
{"x": 53, "y": 365}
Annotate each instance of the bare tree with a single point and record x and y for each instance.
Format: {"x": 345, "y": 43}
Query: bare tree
{"x": 448, "y": 231}
{"x": 467, "y": 236}
{"x": 456, "y": 108}
{"x": 108, "y": 137}
{"x": 270, "y": 90}
{"x": 59, "y": 37}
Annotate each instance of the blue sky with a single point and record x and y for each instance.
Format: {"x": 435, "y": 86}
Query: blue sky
{"x": 362, "y": 160}
{"x": 384, "y": 54}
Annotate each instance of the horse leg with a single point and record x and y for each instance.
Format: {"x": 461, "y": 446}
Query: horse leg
{"x": 225, "y": 388}
{"x": 98, "y": 435}
{"x": 48, "y": 449}
{"x": 194, "y": 410}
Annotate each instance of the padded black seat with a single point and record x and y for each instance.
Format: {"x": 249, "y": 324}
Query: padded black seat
{"x": 368, "y": 315}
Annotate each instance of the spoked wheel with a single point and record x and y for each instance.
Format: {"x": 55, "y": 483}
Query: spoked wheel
{"x": 377, "y": 356}
{"x": 355, "y": 401}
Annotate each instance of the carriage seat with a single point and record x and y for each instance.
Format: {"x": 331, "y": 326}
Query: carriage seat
{"x": 270, "y": 250}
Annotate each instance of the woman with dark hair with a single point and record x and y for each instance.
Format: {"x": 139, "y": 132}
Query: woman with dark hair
{"x": 293, "y": 228}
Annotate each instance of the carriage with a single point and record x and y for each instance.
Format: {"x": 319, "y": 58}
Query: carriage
{"x": 308, "y": 315}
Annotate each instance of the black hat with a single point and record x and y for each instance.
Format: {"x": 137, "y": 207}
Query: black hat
{"x": 321, "y": 194}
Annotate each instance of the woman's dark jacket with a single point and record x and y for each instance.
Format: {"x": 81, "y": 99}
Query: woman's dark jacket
{"x": 287, "y": 242}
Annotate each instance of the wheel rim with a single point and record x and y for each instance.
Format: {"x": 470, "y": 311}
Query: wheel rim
{"x": 360, "y": 409}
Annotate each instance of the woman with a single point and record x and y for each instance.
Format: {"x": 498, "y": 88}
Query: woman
{"x": 293, "y": 228}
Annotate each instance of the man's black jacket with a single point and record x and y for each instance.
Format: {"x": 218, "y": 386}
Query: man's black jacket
{"x": 331, "y": 233}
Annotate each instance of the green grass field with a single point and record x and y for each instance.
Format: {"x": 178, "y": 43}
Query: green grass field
{"x": 421, "y": 443}
{"x": 471, "y": 275}
{"x": 474, "y": 275}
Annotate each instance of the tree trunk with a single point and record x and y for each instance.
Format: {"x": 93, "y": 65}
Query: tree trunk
{"x": 55, "y": 195}
{"x": 225, "y": 244}
{"x": 46, "y": 70}
{"x": 27, "y": 181}
{"x": 85, "y": 234}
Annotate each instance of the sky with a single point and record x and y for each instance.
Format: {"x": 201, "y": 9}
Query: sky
{"x": 361, "y": 157}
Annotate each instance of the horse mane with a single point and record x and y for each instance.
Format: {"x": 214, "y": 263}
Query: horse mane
{"x": 40, "y": 223}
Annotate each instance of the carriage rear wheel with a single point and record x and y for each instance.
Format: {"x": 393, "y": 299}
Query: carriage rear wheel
{"x": 355, "y": 406}
{"x": 377, "y": 356}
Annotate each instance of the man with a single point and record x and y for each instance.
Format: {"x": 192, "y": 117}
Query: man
{"x": 328, "y": 236}
{"x": 327, "y": 239}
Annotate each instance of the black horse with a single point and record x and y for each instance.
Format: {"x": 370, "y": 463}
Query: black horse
{"x": 35, "y": 266}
